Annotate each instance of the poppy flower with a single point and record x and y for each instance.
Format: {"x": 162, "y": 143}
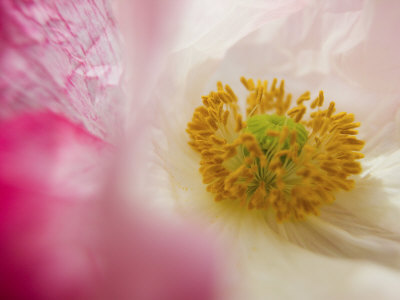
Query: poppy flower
{"x": 323, "y": 238}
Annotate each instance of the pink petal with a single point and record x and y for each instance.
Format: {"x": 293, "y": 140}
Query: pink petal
{"x": 62, "y": 55}
{"x": 153, "y": 260}
{"x": 63, "y": 235}
{"x": 49, "y": 176}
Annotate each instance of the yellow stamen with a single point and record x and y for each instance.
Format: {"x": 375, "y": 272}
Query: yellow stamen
{"x": 273, "y": 169}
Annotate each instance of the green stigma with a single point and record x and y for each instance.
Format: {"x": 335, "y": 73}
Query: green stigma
{"x": 258, "y": 125}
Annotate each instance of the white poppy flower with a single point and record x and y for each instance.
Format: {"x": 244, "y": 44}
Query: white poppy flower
{"x": 351, "y": 249}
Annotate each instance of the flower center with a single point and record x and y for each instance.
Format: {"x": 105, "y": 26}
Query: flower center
{"x": 276, "y": 159}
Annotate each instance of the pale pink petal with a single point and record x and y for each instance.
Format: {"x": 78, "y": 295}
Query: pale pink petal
{"x": 148, "y": 28}
{"x": 374, "y": 63}
{"x": 62, "y": 55}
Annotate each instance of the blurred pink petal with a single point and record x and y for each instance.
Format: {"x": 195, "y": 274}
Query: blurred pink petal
{"x": 153, "y": 260}
{"x": 149, "y": 28}
{"x": 59, "y": 241}
{"x": 49, "y": 175}
{"x": 65, "y": 233}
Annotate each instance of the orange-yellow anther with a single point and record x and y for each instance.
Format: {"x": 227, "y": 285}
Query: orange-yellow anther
{"x": 274, "y": 171}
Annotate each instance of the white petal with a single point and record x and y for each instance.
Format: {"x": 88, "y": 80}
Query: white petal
{"x": 268, "y": 267}
{"x": 312, "y": 48}
{"x": 362, "y": 223}
{"x": 329, "y": 48}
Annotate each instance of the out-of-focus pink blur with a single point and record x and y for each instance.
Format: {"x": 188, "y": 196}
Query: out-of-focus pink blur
{"x": 65, "y": 231}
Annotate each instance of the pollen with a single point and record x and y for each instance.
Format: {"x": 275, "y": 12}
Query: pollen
{"x": 289, "y": 159}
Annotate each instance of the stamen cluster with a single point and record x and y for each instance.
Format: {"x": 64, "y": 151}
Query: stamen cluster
{"x": 293, "y": 168}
